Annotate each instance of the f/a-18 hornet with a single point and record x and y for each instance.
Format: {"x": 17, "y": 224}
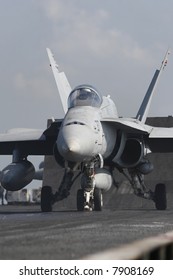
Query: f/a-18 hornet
{"x": 92, "y": 139}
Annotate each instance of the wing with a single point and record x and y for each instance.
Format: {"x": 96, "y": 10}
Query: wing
{"x": 30, "y": 141}
{"x": 143, "y": 111}
{"x": 61, "y": 81}
{"x": 157, "y": 139}
{"x": 129, "y": 125}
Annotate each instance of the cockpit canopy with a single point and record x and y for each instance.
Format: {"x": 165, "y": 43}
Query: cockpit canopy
{"x": 84, "y": 95}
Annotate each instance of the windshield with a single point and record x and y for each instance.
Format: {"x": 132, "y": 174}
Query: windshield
{"x": 84, "y": 95}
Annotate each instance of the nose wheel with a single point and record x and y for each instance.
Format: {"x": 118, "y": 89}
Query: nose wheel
{"x": 98, "y": 199}
{"x": 89, "y": 200}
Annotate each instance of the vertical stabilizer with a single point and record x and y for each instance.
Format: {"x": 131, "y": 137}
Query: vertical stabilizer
{"x": 143, "y": 110}
{"x": 61, "y": 81}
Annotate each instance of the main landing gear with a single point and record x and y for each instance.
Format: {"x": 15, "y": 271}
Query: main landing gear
{"x": 136, "y": 180}
{"x": 47, "y": 196}
{"x": 46, "y": 199}
{"x": 160, "y": 197}
{"x": 89, "y": 197}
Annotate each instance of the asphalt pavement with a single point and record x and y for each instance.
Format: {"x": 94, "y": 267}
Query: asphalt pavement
{"x": 26, "y": 233}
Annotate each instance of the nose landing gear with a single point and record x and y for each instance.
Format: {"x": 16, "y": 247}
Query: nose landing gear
{"x": 89, "y": 198}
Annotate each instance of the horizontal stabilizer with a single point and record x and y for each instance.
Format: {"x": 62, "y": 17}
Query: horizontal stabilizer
{"x": 161, "y": 140}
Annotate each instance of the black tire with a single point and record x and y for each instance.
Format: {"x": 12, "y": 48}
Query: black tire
{"x": 98, "y": 199}
{"x": 46, "y": 199}
{"x": 160, "y": 197}
{"x": 80, "y": 200}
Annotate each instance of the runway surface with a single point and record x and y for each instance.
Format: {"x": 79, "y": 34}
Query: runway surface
{"x": 26, "y": 233}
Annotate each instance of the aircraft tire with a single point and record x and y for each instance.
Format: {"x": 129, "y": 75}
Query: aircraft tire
{"x": 80, "y": 200}
{"x": 160, "y": 197}
{"x": 46, "y": 199}
{"x": 98, "y": 199}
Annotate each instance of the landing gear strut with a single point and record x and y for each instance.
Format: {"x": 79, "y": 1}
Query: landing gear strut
{"x": 48, "y": 198}
{"x": 90, "y": 198}
{"x": 139, "y": 187}
{"x": 136, "y": 180}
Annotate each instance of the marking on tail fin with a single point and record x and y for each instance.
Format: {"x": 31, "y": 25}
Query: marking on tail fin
{"x": 145, "y": 106}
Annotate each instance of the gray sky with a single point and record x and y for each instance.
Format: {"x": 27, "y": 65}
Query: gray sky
{"x": 115, "y": 45}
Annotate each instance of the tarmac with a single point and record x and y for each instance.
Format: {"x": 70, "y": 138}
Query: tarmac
{"x": 66, "y": 234}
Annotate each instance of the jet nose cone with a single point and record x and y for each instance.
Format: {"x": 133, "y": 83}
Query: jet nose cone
{"x": 70, "y": 146}
{"x": 74, "y": 147}
{"x": 70, "y": 149}
{"x": 75, "y": 143}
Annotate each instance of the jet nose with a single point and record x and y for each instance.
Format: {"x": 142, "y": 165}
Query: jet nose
{"x": 75, "y": 143}
{"x": 70, "y": 146}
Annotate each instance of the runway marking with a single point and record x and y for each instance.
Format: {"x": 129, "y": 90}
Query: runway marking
{"x": 89, "y": 226}
{"x": 138, "y": 225}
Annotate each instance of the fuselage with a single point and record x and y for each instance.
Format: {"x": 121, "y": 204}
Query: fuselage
{"x": 83, "y": 134}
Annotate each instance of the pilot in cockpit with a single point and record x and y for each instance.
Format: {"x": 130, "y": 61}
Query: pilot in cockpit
{"x": 84, "y": 96}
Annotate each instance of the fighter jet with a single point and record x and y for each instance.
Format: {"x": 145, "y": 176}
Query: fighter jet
{"x": 92, "y": 140}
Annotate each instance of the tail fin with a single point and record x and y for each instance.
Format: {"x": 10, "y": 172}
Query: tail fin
{"x": 143, "y": 110}
{"x": 61, "y": 81}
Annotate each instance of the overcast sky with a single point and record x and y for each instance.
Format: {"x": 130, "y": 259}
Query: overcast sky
{"x": 115, "y": 45}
